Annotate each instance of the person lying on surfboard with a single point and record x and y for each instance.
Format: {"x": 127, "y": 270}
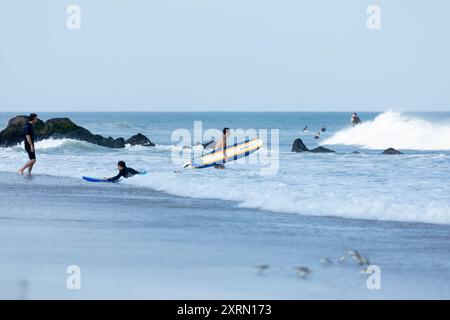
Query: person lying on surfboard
{"x": 221, "y": 145}
{"x": 124, "y": 171}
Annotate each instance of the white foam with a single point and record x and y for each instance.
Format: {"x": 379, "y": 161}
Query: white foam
{"x": 348, "y": 186}
{"x": 371, "y": 201}
{"x": 392, "y": 129}
{"x": 50, "y": 144}
{"x": 173, "y": 147}
{"x": 40, "y": 145}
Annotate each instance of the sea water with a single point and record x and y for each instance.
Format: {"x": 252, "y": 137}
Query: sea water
{"x": 355, "y": 182}
{"x": 139, "y": 239}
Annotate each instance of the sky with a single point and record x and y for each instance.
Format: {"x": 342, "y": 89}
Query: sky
{"x": 224, "y": 55}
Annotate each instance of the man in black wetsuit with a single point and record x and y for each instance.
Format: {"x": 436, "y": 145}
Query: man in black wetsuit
{"x": 28, "y": 135}
{"x": 355, "y": 119}
{"x": 124, "y": 171}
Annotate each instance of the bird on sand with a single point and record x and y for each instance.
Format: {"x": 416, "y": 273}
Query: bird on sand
{"x": 303, "y": 272}
{"x": 261, "y": 268}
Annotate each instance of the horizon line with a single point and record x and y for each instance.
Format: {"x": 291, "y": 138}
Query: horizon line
{"x": 231, "y": 111}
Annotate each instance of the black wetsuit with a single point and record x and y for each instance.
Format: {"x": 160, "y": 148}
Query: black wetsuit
{"x": 28, "y": 131}
{"x": 126, "y": 173}
{"x": 356, "y": 120}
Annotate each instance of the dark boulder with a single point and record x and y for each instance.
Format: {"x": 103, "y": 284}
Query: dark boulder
{"x": 17, "y": 121}
{"x": 391, "y": 151}
{"x": 97, "y": 139}
{"x": 140, "y": 140}
{"x": 13, "y": 134}
{"x": 62, "y": 128}
{"x": 322, "y": 150}
{"x": 299, "y": 146}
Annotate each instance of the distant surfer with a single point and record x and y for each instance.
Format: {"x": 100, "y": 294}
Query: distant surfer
{"x": 28, "y": 135}
{"x": 124, "y": 171}
{"x": 221, "y": 145}
{"x": 317, "y": 136}
{"x": 305, "y": 129}
{"x": 323, "y": 129}
{"x": 355, "y": 119}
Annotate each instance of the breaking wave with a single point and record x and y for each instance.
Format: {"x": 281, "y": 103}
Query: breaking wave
{"x": 392, "y": 129}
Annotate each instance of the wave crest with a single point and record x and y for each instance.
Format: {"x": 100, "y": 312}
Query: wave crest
{"x": 392, "y": 129}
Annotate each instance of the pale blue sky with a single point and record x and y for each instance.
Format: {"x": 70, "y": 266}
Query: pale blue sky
{"x": 222, "y": 55}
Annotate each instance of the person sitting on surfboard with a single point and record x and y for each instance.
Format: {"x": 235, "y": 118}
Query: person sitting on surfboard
{"x": 221, "y": 145}
{"x": 124, "y": 171}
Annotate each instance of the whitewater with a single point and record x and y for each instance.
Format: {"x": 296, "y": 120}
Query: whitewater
{"x": 391, "y": 129}
{"x": 365, "y": 185}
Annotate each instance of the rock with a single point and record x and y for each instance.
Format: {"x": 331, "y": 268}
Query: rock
{"x": 13, "y": 134}
{"x": 391, "y": 151}
{"x": 322, "y": 150}
{"x": 59, "y": 128}
{"x": 299, "y": 146}
{"x": 17, "y": 121}
{"x": 62, "y": 128}
{"x": 140, "y": 140}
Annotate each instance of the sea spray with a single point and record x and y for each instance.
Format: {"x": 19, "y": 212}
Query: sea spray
{"x": 392, "y": 129}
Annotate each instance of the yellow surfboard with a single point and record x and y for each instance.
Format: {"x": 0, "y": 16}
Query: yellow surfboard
{"x": 230, "y": 153}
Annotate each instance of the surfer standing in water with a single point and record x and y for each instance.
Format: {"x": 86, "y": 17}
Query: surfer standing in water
{"x": 124, "y": 171}
{"x": 221, "y": 145}
{"x": 355, "y": 119}
{"x": 28, "y": 134}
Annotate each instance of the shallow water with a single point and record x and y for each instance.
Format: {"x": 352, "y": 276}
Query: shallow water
{"x": 140, "y": 239}
{"x": 412, "y": 187}
{"x": 132, "y": 242}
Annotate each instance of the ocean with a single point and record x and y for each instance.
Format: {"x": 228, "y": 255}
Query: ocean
{"x": 200, "y": 233}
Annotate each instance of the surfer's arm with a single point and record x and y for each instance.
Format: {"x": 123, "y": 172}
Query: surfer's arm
{"x": 219, "y": 145}
{"x": 116, "y": 177}
{"x": 30, "y": 142}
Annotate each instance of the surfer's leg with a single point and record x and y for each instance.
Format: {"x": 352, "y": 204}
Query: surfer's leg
{"x": 32, "y": 161}
{"x": 28, "y": 165}
{"x": 30, "y": 168}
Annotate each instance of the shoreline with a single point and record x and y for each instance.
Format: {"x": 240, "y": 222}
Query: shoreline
{"x": 154, "y": 245}
{"x": 232, "y": 204}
